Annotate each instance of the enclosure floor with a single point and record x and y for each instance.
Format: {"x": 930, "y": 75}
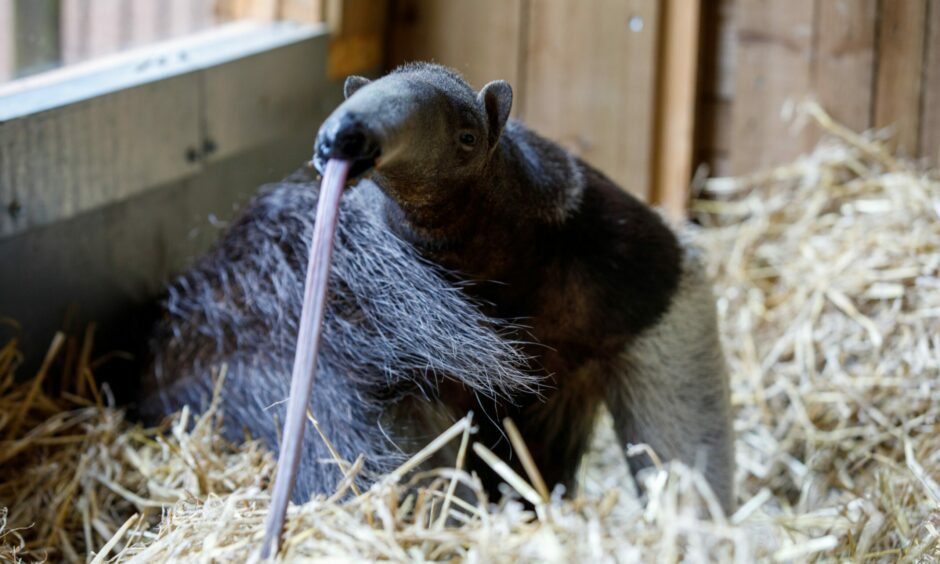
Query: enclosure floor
{"x": 827, "y": 277}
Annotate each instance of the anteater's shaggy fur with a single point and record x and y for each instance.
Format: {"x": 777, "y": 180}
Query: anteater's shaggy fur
{"x": 516, "y": 232}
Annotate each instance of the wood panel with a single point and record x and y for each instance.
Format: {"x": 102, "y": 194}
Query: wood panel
{"x": 358, "y": 42}
{"x": 261, "y": 10}
{"x": 256, "y": 101}
{"x": 900, "y": 71}
{"x": 844, "y": 67}
{"x": 930, "y": 124}
{"x": 35, "y": 36}
{"x": 98, "y": 152}
{"x": 131, "y": 127}
{"x": 6, "y": 39}
{"x": 716, "y": 87}
{"x": 93, "y": 28}
{"x": 480, "y": 38}
{"x": 306, "y": 11}
{"x": 590, "y": 82}
{"x": 774, "y": 52}
{"x": 678, "y": 58}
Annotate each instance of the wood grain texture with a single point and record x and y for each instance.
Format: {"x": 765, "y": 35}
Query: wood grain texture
{"x": 900, "y": 72}
{"x": 358, "y": 42}
{"x": 256, "y": 101}
{"x": 306, "y": 11}
{"x": 674, "y": 129}
{"x": 114, "y": 260}
{"x": 6, "y": 39}
{"x": 590, "y": 82}
{"x": 774, "y": 53}
{"x": 844, "y": 67}
{"x": 93, "y": 28}
{"x": 66, "y": 161}
{"x": 480, "y": 38}
{"x": 930, "y": 124}
{"x": 78, "y": 156}
{"x": 260, "y": 10}
{"x": 716, "y": 86}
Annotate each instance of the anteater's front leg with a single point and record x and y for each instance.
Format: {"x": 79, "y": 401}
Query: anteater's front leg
{"x": 670, "y": 389}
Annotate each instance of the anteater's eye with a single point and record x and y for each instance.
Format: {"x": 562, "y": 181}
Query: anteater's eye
{"x": 467, "y": 139}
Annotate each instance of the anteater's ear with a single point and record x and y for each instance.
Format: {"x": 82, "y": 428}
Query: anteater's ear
{"x": 354, "y": 83}
{"x": 496, "y": 99}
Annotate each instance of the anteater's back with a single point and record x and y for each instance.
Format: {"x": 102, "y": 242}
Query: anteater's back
{"x": 394, "y": 329}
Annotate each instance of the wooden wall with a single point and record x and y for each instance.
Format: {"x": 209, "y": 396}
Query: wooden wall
{"x": 869, "y": 63}
{"x": 94, "y": 28}
{"x": 583, "y": 73}
{"x": 598, "y": 75}
{"x": 6, "y": 40}
{"x": 37, "y": 35}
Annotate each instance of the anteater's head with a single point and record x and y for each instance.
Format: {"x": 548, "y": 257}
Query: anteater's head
{"x": 418, "y": 130}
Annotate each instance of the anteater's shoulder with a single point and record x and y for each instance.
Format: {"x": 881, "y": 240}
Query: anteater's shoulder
{"x": 631, "y": 256}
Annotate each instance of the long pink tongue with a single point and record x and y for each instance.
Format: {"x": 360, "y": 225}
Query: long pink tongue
{"x": 308, "y": 343}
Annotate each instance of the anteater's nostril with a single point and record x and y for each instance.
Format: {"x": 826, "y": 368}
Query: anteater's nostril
{"x": 350, "y": 144}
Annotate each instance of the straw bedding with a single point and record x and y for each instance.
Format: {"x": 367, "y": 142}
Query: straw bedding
{"x": 828, "y": 277}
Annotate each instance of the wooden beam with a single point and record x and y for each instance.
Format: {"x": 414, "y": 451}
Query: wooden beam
{"x": 590, "y": 82}
{"x": 6, "y": 40}
{"x": 35, "y": 36}
{"x": 358, "y": 36}
{"x": 930, "y": 124}
{"x": 674, "y": 130}
{"x": 774, "y": 53}
{"x": 118, "y": 127}
{"x": 844, "y": 68}
{"x": 480, "y": 38}
{"x": 261, "y": 10}
{"x": 900, "y": 72}
{"x": 306, "y": 11}
{"x": 716, "y": 86}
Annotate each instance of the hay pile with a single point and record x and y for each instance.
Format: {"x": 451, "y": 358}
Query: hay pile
{"x": 828, "y": 277}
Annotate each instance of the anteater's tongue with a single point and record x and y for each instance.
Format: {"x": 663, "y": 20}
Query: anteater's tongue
{"x": 308, "y": 342}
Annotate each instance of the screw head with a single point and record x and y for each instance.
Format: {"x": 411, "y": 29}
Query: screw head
{"x": 14, "y": 209}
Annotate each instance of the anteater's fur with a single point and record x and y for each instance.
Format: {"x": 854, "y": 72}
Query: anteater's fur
{"x": 500, "y": 274}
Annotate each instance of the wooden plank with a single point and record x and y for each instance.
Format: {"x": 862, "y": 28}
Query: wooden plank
{"x": 930, "y": 125}
{"x": 900, "y": 70}
{"x": 257, "y": 101}
{"x": 234, "y": 91}
{"x": 6, "y": 40}
{"x": 180, "y": 17}
{"x": 104, "y": 30}
{"x": 678, "y": 61}
{"x": 599, "y": 105}
{"x": 147, "y": 22}
{"x": 260, "y": 10}
{"x": 843, "y": 73}
{"x": 716, "y": 86}
{"x": 774, "y": 52}
{"x": 480, "y": 38}
{"x": 185, "y": 16}
{"x": 110, "y": 259}
{"x": 306, "y": 11}
{"x": 100, "y": 151}
{"x": 358, "y": 42}
{"x": 74, "y": 31}
{"x": 38, "y": 50}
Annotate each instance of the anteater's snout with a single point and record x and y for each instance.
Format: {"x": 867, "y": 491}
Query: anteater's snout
{"x": 347, "y": 137}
